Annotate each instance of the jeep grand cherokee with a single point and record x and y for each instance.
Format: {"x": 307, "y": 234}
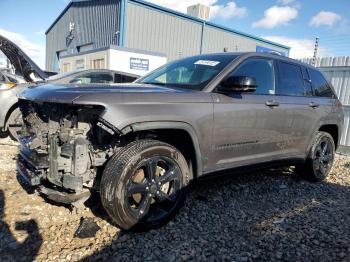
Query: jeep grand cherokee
{"x": 139, "y": 145}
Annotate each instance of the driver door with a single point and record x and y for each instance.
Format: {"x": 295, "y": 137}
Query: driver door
{"x": 248, "y": 126}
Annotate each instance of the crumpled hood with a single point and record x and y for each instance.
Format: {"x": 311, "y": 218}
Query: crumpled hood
{"x": 108, "y": 94}
{"x": 22, "y": 63}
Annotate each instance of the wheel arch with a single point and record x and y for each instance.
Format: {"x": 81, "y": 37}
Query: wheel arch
{"x": 178, "y": 134}
{"x": 333, "y": 130}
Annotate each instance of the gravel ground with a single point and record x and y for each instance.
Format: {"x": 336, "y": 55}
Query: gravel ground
{"x": 264, "y": 216}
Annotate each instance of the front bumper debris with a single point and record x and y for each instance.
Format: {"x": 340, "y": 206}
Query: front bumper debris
{"x": 63, "y": 147}
{"x": 74, "y": 199}
{"x": 30, "y": 176}
{"x": 35, "y": 179}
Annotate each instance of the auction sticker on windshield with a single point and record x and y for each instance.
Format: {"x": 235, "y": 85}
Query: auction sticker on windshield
{"x": 207, "y": 63}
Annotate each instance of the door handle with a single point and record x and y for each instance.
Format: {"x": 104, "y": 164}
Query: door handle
{"x": 314, "y": 105}
{"x": 272, "y": 103}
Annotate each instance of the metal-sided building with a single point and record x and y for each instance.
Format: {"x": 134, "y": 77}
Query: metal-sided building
{"x": 85, "y": 25}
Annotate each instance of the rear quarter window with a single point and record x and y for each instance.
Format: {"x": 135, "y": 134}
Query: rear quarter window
{"x": 320, "y": 84}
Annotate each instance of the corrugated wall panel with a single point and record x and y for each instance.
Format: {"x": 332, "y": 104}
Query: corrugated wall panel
{"x": 95, "y": 23}
{"x": 56, "y": 40}
{"x": 161, "y": 32}
{"x": 345, "y": 140}
{"x": 216, "y": 39}
{"x": 340, "y": 79}
{"x": 329, "y": 61}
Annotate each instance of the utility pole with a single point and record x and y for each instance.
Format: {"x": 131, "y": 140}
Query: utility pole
{"x": 315, "y": 51}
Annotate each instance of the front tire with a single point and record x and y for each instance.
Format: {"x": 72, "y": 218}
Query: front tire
{"x": 320, "y": 159}
{"x": 144, "y": 185}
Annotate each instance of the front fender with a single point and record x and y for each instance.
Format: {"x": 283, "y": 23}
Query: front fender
{"x": 170, "y": 125}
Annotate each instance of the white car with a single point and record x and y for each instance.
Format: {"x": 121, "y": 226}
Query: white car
{"x": 6, "y": 77}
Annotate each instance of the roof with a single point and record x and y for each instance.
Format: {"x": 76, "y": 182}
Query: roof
{"x": 257, "y": 54}
{"x": 178, "y": 14}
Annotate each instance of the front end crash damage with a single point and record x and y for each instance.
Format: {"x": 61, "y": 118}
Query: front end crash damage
{"x": 63, "y": 148}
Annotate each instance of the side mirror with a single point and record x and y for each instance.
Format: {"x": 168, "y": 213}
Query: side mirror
{"x": 238, "y": 84}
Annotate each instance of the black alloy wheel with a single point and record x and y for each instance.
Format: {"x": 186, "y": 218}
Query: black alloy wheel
{"x": 154, "y": 189}
{"x": 144, "y": 185}
{"x": 324, "y": 156}
{"x": 320, "y": 159}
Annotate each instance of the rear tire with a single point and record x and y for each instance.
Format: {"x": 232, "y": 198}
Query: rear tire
{"x": 14, "y": 123}
{"x": 320, "y": 159}
{"x": 144, "y": 185}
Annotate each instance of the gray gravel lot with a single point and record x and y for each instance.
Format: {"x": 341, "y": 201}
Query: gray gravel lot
{"x": 264, "y": 216}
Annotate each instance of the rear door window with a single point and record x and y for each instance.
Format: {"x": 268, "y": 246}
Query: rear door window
{"x": 320, "y": 85}
{"x": 291, "y": 82}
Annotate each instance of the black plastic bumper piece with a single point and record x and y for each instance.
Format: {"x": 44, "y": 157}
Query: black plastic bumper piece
{"x": 29, "y": 176}
{"x": 64, "y": 197}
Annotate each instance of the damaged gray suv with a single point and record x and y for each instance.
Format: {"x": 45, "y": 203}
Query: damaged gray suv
{"x": 140, "y": 145}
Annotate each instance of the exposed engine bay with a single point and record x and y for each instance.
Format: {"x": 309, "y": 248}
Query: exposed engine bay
{"x": 64, "y": 145}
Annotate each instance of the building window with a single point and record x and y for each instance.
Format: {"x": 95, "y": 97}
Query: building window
{"x": 98, "y": 63}
{"x": 80, "y": 64}
{"x": 65, "y": 67}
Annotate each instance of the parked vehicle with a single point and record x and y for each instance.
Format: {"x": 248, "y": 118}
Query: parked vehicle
{"x": 93, "y": 76}
{"x": 29, "y": 74}
{"x": 6, "y": 77}
{"x": 139, "y": 145}
{"x": 26, "y": 73}
{"x": 13, "y": 116}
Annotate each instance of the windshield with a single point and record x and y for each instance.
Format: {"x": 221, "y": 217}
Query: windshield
{"x": 190, "y": 73}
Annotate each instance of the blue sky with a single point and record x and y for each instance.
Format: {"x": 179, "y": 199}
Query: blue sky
{"x": 295, "y": 23}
